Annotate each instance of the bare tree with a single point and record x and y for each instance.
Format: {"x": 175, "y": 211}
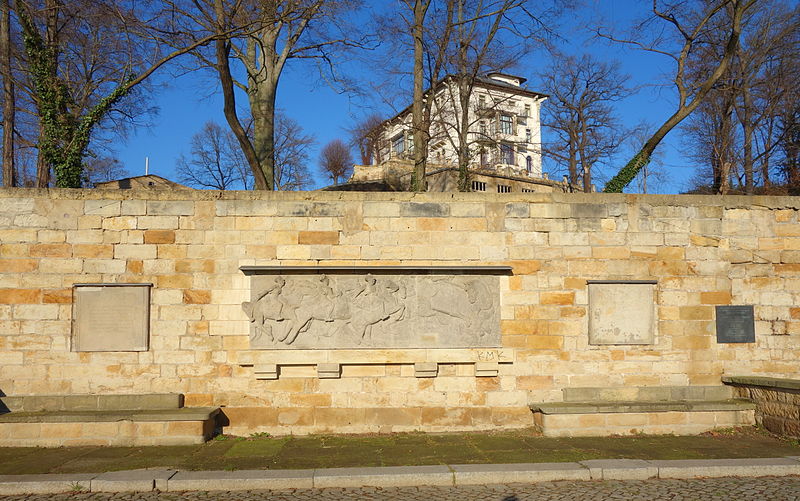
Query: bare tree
{"x": 365, "y": 135}
{"x": 268, "y": 36}
{"x": 335, "y": 160}
{"x": 691, "y": 22}
{"x": 102, "y": 169}
{"x": 9, "y": 97}
{"x": 579, "y": 113}
{"x": 215, "y": 161}
{"x": 82, "y": 60}
{"x": 292, "y": 148}
{"x": 736, "y": 130}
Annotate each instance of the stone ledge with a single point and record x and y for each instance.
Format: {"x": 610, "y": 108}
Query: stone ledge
{"x": 53, "y": 403}
{"x": 766, "y": 382}
{"x": 182, "y": 414}
{"x": 635, "y": 407}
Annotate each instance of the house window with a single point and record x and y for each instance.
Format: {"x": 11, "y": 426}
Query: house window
{"x": 410, "y": 143}
{"x": 484, "y": 158}
{"x": 503, "y": 188}
{"x": 399, "y": 144}
{"x": 528, "y": 190}
{"x": 529, "y": 164}
{"x": 506, "y": 124}
{"x": 507, "y": 154}
{"x": 527, "y": 110}
{"x": 483, "y": 129}
{"x": 527, "y": 135}
{"x": 482, "y": 101}
{"x": 478, "y": 186}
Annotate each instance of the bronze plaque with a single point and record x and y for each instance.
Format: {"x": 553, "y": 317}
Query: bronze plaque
{"x": 736, "y": 324}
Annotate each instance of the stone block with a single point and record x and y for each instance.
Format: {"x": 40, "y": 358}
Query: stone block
{"x": 385, "y": 476}
{"x": 426, "y": 369}
{"x": 170, "y": 208}
{"x": 329, "y": 371}
{"x": 113, "y": 318}
{"x": 241, "y": 480}
{"x": 621, "y": 313}
{"x": 487, "y": 369}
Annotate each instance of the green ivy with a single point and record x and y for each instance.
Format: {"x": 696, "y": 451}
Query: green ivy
{"x": 64, "y": 136}
{"x": 627, "y": 173}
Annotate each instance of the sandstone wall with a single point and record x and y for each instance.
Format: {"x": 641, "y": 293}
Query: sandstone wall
{"x": 702, "y": 251}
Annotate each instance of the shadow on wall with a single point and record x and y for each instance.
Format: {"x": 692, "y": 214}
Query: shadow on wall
{"x": 3, "y": 407}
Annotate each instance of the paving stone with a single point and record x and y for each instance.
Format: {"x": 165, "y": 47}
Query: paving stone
{"x": 43, "y": 484}
{"x": 470, "y": 474}
{"x": 132, "y": 481}
{"x": 752, "y": 467}
{"x": 738, "y": 489}
{"x": 385, "y": 476}
{"x": 240, "y": 480}
{"x": 620, "y": 469}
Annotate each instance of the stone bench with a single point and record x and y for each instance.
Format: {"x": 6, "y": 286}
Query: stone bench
{"x": 124, "y": 420}
{"x": 777, "y": 401}
{"x": 680, "y": 410}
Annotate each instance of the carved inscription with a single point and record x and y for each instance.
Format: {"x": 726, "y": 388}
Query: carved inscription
{"x": 373, "y": 311}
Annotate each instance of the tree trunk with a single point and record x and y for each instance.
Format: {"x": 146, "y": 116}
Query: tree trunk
{"x": 262, "y": 107}
{"x": 9, "y": 170}
{"x": 747, "y": 142}
{"x": 642, "y": 158}
{"x": 420, "y": 154}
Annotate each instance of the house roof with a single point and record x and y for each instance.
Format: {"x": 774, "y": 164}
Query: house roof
{"x": 484, "y": 82}
{"x": 147, "y": 182}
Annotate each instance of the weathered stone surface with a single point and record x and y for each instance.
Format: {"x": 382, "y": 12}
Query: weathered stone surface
{"x": 111, "y": 318}
{"x": 373, "y": 311}
{"x": 622, "y": 313}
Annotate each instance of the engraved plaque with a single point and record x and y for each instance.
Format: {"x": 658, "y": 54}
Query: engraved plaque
{"x": 621, "y": 313}
{"x": 111, "y": 317}
{"x": 736, "y": 324}
{"x": 321, "y": 311}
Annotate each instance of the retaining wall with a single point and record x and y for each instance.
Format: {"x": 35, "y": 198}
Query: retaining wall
{"x": 701, "y": 251}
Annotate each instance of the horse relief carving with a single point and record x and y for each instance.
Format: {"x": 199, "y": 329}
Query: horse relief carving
{"x": 369, "y": 311}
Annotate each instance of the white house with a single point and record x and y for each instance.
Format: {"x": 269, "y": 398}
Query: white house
{"x": 504, "y": 132}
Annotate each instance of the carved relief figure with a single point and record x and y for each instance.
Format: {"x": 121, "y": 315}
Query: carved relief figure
{"x": 314, "y": 311}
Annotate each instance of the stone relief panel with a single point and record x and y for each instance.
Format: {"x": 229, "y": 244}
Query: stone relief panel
{"x": 373, "y": 311}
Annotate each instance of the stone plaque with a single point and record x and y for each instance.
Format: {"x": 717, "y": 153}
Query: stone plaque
{"x": 315, "y": 311}
{"x": 736, "y": 324}
{"x": 111, "y": 317}
{"x": 622, "y": 312}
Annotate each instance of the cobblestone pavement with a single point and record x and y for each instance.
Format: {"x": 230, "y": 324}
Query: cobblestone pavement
{"x": 739, "y": 489}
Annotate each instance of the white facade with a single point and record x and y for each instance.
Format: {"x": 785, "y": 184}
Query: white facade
{"x": 503, "y": 124}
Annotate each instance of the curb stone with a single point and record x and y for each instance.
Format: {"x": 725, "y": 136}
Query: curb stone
{"x": 476, "y": 474}
{"x": 241, "y": 480}
{"x": 396, "y": 476}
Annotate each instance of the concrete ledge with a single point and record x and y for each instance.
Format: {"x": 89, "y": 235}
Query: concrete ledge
{"x": 732, "y": 404}
{"x": 182, "y": 414}
{"x": 11, "y": 485}
{"x": 241, "y": 480}
{"x": 472, "y": 474}
{"x": 620, "y": 469}
{"x": 55, "y": 403}
{"x": 764, "y": 382}
{"x": 132, "y": 481}
{"x": 752, "y": 467}
{"x": 384, "y": 476}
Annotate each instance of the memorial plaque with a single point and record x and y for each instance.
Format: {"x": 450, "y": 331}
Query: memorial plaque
{"x": 622, "y": 312}
{"x": 322, "y": 311}
{"x": 111, "y": 317}
{"x": 736, "y": 324}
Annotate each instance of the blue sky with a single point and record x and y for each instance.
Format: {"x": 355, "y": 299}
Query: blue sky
{"x": 187, "y": 103}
